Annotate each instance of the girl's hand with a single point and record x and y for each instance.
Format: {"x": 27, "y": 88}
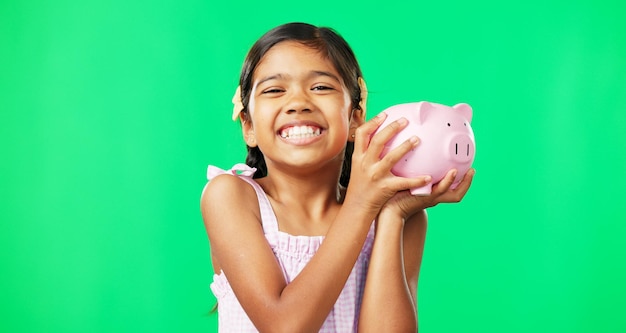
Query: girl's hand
{"x": 405, "y": 205}
{"x": 371, "y": 179}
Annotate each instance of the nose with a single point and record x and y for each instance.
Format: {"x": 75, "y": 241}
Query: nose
{"x": 461, "y": 148}
{"x": 298, "y": 102}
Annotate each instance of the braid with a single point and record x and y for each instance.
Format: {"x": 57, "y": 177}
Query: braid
{"x": 347, "y": 165}
{"x": 256, "y": 160}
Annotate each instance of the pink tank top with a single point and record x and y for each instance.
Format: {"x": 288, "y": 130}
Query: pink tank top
{"x": 293, "y": 253}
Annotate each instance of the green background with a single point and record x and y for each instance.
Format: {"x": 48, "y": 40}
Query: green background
{"x": 111, "y": 110}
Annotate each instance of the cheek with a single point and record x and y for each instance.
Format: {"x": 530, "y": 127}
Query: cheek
{"x": 260, "y": 107}
{"x": 343, "y": 119}
{"x": 257, "y": 112}
{"x": 346, "y": 110}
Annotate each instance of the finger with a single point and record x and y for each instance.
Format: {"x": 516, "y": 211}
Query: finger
{"x": 396, "y": 154}
{"x": 385, "y": 134}
{"x": 364, "y": 132}
{"x": 460, "y": 191}
{"x": 457, "y": 194}
{"x": 443, "y": 185}
{"x": 401, "y": 183}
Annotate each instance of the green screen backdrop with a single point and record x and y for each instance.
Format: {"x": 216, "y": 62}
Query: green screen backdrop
{"x": 111, "y": 111}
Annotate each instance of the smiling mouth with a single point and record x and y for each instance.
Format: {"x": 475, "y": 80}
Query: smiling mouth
{"x": 300, "y": 132}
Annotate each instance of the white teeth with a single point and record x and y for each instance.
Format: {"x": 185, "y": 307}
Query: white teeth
{"x": 298, "y": 132}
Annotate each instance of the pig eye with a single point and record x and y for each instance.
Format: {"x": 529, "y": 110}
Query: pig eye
{"x": 448, "y": 124}
{"x": 465, "y": 124}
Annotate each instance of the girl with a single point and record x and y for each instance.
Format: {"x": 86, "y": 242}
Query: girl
{"x": 292, "y": 233}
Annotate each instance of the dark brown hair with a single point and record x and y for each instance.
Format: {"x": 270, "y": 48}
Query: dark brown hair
{"x": 330, "y": 44}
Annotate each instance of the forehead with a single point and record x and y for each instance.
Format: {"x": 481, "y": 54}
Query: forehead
{"x": 292, "y": 58}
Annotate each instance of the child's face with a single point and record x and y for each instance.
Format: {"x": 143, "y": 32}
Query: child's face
{"x": 299, "y": 108}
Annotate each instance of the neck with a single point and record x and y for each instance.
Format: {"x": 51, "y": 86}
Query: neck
{"x": 313, "y": 191}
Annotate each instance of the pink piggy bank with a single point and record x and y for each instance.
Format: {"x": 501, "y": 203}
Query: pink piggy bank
{"x": 446, "y": 141}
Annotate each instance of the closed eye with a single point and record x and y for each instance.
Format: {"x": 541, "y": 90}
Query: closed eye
{"x": 272, "y": 91}
{"x": 320, "y": 88}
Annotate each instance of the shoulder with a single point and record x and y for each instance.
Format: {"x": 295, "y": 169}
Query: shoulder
{"x": 225, "y": 185}
{"x": 231, "y": 215}
{"x": 226, "y": 192}
{"x": 229, "y": 204}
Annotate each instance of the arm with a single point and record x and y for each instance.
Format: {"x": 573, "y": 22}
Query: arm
{"x": 240, "y": 249}
{"x": 389, "y": 303}
{"x": 414, "y": 238}
{"x": 390, "y": 297}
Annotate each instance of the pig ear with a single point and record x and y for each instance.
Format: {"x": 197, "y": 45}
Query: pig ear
{"x": 423, "y": 110}
{"x": 465, "y": 110}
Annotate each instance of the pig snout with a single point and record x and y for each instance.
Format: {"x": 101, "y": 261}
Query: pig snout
{"x": 461, "y": 148}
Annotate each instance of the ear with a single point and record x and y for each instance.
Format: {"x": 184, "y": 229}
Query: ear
{"x": 465, "y": 110}
{"x": 357, "y": 118}
{"x": 423, "y": 110}
{"x": 247, "y": 130}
